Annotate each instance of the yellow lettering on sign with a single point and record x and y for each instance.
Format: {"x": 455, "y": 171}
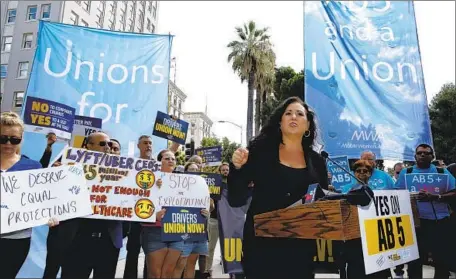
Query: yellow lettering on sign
{"x": 232, "y": 249}
{"x": 388, "y": 234}
{"x": 324, "y": 246}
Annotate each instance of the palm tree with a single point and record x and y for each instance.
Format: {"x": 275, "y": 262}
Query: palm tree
{"x": 264, "y": 84}
{"x": 246, "y": 57}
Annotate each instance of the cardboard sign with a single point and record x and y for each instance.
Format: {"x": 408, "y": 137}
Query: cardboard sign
{"x": 84, "y": 126}
{"x": 387, "y": 231}
{"x": 183, "y": 223}
{"x": 214, "y": 181}
{"x": 120, "y": 187}
{"x": 44, "y": 116}
{"x": 181, "y": 190}
{"x": 169, "y": 128}
{"x": 339, "y": 177}
{"x": 212, "y": 156}
{"x": 31, "y": 198}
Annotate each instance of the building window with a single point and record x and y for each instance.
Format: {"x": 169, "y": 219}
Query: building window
{"x": 11, "y": 16}
{"x": 154, "y": 13}
{"x": 74, "y": 18}
{"x": 180, "y": 105}
{"x": 6, "y": 45}
{"x": 27, "y": 40}
{"x": 18, "y": 99}
{"x": 86, "y": 5}
{"x": 84, "y": 23}
{"x": 175, "y": 101}
{"x": 22, "y": 70}
{"x": 151, "y": 3}
{"x": 153, "y": 28}
{"x": 149, "y": 25}
{"x": 31, "y": 12}
{"x": 46, "y": 11}
{"x": 3, "y": 71}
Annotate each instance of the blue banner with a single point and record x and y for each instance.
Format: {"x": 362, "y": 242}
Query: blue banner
{"x": 364, "y": 77}
{"x": 214, "y": 181}
{"x": 121, "y": 78}
{"x": 339, "y": 178}
{"x": 44, "y": 116}
{"x": 167, "y": 127}
{"x": 212, "y": 156}
{"x": 184, "y": 223}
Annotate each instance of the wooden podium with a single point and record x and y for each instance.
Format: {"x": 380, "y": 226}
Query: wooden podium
{"x": 334, "y": 220}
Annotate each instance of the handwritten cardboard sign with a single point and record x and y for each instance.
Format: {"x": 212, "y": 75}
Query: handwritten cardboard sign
{"x": 120, "y": 187}
{"x": 183, "y": 223}
{"x": 31, "y": 198}
{"x": 44, "y": 116}
{"x": 171, "y": 129}
{"x": 181, "y": 190}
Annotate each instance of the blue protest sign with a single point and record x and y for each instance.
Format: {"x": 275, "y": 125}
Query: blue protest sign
{"x": 310, "y": 195}
{"x": 339, "y": 178}
{"x": 121, "y": 78}
{"x": 212, "y": 156}
{"x": 169, "y": 128}
{"x": 433, "y": 183}
{"x": 364, "y": 77}
{"x": 183, "y": 223}
{"x": 45, "y": 116}
{"x": 214, "y": 181}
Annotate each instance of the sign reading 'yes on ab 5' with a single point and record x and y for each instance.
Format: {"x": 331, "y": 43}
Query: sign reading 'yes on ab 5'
{"x": 121, "y": 78}
{"x": 387, "y": 231}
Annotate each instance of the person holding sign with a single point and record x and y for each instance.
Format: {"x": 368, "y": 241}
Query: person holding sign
{"x": 281, "y": 163}
{"x": 15, "y": 246}
{"x": 435, "y": 229}
{"x": 161, "y": 257}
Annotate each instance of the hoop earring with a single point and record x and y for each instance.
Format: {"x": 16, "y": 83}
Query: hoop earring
{"x": 307, "y": 134}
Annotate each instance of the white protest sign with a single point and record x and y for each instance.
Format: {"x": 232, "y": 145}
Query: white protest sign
{"x": 181, "y": 190}
{"x": 120, "y": 187}
{"x": 387, "y": 231}
{"x": 83, "y": 127}
{"x": 31, "y": 198}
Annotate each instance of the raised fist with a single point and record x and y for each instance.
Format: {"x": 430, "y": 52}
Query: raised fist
{"x": 240, "y": 157}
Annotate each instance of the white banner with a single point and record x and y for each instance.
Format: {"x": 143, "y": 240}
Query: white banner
{"x": 181, "y": 190}
{"x": 31, "y": 198}
{"x": 387, "y": 231}
{"x": 120, "y": 187}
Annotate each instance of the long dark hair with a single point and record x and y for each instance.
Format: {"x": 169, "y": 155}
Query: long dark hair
{"x": 271, "y": 136}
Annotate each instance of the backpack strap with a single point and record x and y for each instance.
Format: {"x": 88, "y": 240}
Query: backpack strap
{"x": 409, "y": 170}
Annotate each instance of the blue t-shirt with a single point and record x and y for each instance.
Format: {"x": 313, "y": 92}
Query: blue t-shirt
{"x": 426, "y": 209}
{"x": 379, "y": 180}
{"x": 23, "y": 164}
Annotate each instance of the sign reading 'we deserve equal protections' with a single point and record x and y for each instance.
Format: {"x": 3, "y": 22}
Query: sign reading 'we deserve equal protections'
{"x": 31, "y": 198}
{"x": 120, "y": 187}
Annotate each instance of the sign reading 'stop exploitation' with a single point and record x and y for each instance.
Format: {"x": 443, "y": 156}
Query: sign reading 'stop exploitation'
{"x": 387, "y": 231}
{"x": 44, "y": 116}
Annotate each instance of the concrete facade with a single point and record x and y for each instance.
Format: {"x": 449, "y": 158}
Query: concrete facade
{"x": 200, "y": 127}
{"x": 19, "y": 26}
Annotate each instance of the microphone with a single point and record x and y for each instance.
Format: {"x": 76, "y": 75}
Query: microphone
{"x": 360, "y": 196}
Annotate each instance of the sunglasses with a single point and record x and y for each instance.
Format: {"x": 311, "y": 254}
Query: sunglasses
{"x": 104, "y": 143}
{"x": 423, "y": 153}
{"x": 12, "y": 140}
{"x": 398, "y": 172}
{"x": 362, "y": 171}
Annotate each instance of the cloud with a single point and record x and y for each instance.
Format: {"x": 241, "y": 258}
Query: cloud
{"x": 409, "y": 94}
{"x": 391, "y": 53}
{"x": 351, "y": 117}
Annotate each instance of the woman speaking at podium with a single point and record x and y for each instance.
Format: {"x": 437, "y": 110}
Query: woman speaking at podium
{"x": 281, "y": 164}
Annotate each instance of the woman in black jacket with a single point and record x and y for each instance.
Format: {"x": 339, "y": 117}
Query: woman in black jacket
{"x": 281, "y": 163}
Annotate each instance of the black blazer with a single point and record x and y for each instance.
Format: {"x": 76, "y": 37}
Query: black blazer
{"x": 261, "y": 167}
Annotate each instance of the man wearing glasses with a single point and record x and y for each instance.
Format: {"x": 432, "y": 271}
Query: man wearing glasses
{"x": 95, "y": 244}
{"x": 435, "y": 229}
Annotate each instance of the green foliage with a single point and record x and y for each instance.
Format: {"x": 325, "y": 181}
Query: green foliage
{"x": 442, "y": 112}
{"x": 288, "y": 83}
{"x": 180, "y": 157}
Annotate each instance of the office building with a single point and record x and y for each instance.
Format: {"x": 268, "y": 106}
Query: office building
{"x": 19, "y": 25}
